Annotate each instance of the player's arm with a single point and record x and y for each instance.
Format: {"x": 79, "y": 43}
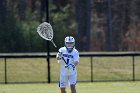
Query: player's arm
{"x": 72, "y": 65}
{"x": 59, "y": 56}
{"x": 75, "y": 63}
{"x": 76, "y": 58}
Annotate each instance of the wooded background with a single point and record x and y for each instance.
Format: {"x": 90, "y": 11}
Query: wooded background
{"x": 97, "y": 25}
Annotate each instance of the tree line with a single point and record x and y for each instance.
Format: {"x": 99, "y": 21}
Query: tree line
{"x": 97, "y": 25}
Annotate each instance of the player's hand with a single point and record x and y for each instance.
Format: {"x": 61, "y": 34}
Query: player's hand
{"x": 59, "y": 55}
{"x": 70, "y": 66}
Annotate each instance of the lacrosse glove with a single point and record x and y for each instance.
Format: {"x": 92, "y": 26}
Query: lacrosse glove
{"x": 59, "y": 56}
{"x": 70, "y": 66}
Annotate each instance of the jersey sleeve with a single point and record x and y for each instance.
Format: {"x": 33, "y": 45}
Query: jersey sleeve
{"x": 76, "y": 56}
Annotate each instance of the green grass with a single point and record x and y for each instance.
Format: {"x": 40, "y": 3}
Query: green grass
{"x": 96, "y": 87}
{"x": 104, "y": 68}
{"x": 35, "y": 69}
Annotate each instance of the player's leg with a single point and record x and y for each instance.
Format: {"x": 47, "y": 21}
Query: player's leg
{"x": 63, "y": 83}
{"x": 73, "y": 88}
{"x": 73, "y": 80}
{"x": 63, "y": 90}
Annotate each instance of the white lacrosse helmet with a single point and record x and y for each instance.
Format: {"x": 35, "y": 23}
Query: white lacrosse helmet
{"x": 69, "y": 43}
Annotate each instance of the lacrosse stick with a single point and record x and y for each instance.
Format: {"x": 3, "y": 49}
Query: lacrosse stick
{"x": 46, "y": 32}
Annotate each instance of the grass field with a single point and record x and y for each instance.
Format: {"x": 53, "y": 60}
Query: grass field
{"x": 104, "y": 68}
{"x": 95, "y": 87}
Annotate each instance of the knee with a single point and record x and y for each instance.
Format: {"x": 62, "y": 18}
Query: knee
{"x": 73, "y": 89}
{"x": 63, "y": 90}
{"x": 72, "y": 86}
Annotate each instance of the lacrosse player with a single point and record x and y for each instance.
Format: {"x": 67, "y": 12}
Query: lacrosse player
{"x": 68, "y": 58}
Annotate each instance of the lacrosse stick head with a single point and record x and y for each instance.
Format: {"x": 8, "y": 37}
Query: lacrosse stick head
{"x": 46, "y": 32}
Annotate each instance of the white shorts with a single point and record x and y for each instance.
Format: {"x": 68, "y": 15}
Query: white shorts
{"x": 65, "y": 81}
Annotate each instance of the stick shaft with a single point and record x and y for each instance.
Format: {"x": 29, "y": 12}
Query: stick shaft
{"x": 63, "y": 59}
{"x": 53, "y": 43}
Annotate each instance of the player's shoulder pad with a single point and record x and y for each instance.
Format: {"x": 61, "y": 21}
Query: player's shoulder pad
{"x": 61, "y": 49}
{"x": 76, "y": 50}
